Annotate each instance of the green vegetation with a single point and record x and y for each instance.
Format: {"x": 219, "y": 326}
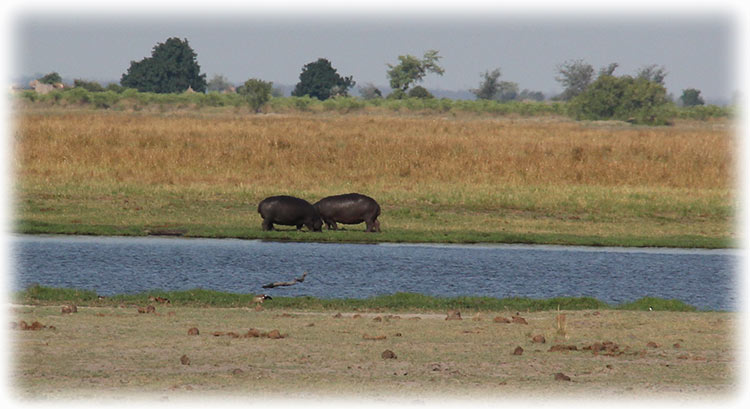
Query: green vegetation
{"x": 40, "y": 295}
{"x": 131, "y": 99}
{"x": 172, "y": 67}
{"x": 625, "y": 98}
{"x": 468, "y": 179}
{"x": 321, "y": 81}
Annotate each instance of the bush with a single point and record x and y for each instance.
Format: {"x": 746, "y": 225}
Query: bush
{"x": 105, "y": 99}
{"x": 420, "y": 92}
{"x": 76, "y": 96}
{"x": 91, "y": 86}
{"x": 636, "y": 100}
{"x": 397, "y": 94}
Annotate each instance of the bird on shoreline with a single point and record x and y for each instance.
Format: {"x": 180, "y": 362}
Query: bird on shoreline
{"x": 258, "y": 299}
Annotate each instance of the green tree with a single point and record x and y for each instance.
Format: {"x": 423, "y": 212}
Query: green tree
{"x": 218, "y": 83}
{"x": 488, "y": 88}
{"x": 320, "y": 80}
{"x": 411, "y": 69}
{"x": 531, "y": 95}
{"x": 574, "y": 76}
{"x": 652, "y": 73}
{"x": 691, "y": 97}
{"x": 625, "y": 98}
{"x": 172, "y": 68}
{"x": 370, "y": 91}
{"x": 507, "y": 91}
{"x": 51, "y": 78}
{"x": 256, "y": 92}
{"x": 608, "y": 70}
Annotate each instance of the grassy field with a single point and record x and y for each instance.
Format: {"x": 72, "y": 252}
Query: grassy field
{"x": 111, "y": 352}
{"x": 438, "y": 178}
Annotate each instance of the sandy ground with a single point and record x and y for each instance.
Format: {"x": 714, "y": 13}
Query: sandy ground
{"x": 111, "y": 352}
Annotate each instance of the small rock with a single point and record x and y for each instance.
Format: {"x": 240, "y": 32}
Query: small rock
{"x": 36, "y": 326}
{"x": 237, "y": 371}
{"x": 453, "y": 315}
{"x": 252, "y": 333}
{"x": 185, "y": 360}
{"x": 561, "y": 377}
{"x": 274, "y": 334}
{"x": 377, "y": 319}
{"x": 501, "y": 320}
{"x": 388, "y": 354}
{"x": 338, "y": 315}
{"x": 519, "y": 320}
{"x": 69, "y": 309}
{"x": 539, "y": 339}
{"x": 677, "y": 345}
{"x": 193, "y": 331}
{"x": 652, "y": 344}
{"x": 518, "y": 351}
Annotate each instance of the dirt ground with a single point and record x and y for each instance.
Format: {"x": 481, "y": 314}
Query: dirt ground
{"x": 177, "y": 352}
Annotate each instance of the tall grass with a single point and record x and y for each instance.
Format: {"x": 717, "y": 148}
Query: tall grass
{"x": 419, "y": 155}
{"x": 436, "y": 174}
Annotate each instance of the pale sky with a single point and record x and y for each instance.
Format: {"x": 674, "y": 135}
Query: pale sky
{"x": 696, "y": 49}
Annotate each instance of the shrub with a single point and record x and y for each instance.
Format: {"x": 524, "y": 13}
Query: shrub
{"x": 91, "y": 86}
{"x": 77, "y": 96}
{"x": 420, "y": 92}
{"x": 105, "y": 99}
{"x": 625, "y": 98}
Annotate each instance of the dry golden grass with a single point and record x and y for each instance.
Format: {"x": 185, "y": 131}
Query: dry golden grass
{"x": 435, "y": 173}
{"x": 315, "y": 153}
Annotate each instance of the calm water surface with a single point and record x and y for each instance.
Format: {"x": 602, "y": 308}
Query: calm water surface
{"x": 706, "y": 279}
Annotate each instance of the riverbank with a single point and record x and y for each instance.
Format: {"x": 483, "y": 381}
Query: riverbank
{"x": 438, "y": 178}
{"x": 198, "y": 297}
{"x": 173, "y": 352}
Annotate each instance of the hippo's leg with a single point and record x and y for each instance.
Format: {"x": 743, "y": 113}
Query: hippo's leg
{"x": 267, "y": 225}
{"x": 299, "y": 226}
{"x": 375, "y": 225}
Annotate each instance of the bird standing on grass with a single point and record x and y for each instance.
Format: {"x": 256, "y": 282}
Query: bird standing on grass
{"x": 258, "y": 299}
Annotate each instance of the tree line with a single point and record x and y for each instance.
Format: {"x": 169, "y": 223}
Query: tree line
{"x": 173, "y": 68}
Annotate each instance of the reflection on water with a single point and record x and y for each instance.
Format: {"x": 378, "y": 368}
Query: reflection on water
{"x": 111, "y": 265}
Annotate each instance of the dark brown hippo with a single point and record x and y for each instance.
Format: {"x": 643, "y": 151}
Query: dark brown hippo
{"x": 289, "y": 211}
{"x": 350, "y": 208}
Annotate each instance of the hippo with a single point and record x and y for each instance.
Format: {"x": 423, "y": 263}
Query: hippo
{"x": 289, "y": 211}
{"x": 350, "y": 208}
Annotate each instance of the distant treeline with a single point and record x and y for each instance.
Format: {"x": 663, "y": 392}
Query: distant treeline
{"x": 131, "y": 99}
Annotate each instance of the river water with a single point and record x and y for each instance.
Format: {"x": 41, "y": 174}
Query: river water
{"x": 707, "y": 279}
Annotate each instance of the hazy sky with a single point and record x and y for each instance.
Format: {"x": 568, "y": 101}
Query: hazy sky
{"x": 697, "y": 49}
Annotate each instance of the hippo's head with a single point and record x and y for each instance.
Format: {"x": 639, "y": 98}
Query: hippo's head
{"x": 317, "y": 224}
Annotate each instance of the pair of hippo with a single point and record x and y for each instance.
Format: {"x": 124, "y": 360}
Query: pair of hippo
{"x": 350, "y": 208}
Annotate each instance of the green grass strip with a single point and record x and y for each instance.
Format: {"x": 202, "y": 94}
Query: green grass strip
{"x": 41, "y": 295}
